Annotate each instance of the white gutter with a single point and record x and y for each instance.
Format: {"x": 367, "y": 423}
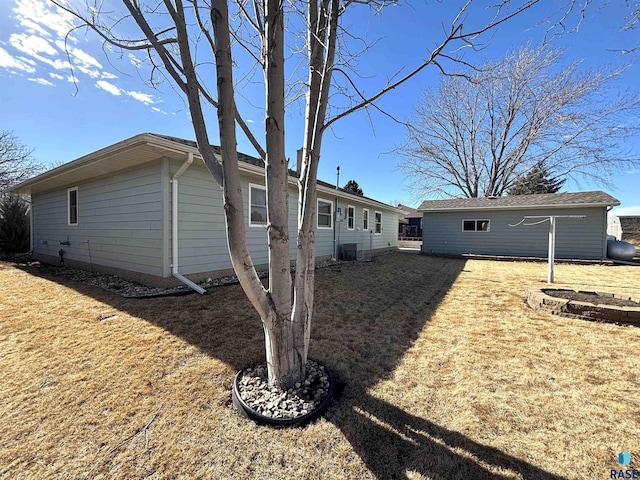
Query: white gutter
{"x": 174, "y": 227}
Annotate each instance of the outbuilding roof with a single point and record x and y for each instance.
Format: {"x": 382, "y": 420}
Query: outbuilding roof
{"x": 541, "y": 200}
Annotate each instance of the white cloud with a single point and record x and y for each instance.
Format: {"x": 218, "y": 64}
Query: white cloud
{"x": 44, "y": 18}
{"x": 109, "y": 87}
{"x": 156, "y": 109}
{"x": 43, "y": 42}
{"x": 142, "y": 97}
{"x": 88, "y": 71}
{"x": 625, "y": 211}
{"x": 84, "y": 58}
{"x": 135, "y": 61}
{"x": 42, "y": 81}
{"x": 35, "y": 47}
{"x": 27, "y": 60}
{"x": 248, "y": 120}
{"x": 32, "y": 44}
{"x": 85, "y": 62}
{"x": 10, "y": 63}
{"x": 145, "y": 98}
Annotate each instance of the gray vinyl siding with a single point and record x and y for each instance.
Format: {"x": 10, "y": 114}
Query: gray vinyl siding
{"x": 575, "y": 238}
{"x": 366, "y": 240}
{"x": 202, "y": 242}
{"x": 119, "y": 221}
{"x": 202, "y": 236}
{"x": 126, "y": 220}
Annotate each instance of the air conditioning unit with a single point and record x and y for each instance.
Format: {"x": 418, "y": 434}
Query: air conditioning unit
{"x": 350, "y": 252}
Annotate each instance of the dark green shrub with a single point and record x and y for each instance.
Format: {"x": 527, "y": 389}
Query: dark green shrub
{"x": 14, "y": 225}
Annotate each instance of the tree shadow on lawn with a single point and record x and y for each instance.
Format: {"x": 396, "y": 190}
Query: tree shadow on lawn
{"x": 366, "y": 317}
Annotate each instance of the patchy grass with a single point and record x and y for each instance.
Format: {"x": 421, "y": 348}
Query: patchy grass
{"x": 447, "y": 374}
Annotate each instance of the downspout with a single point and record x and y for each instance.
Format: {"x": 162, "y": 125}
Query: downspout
{"x": 174, "y": 227}
{"x": 30, "y": 211}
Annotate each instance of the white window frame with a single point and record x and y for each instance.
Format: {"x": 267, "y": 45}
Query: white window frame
{"x": 351, "y": 215}
{"x": 365, "y": 219}
{"x": 69, "y": 190}
{"x": 375, "y": 222}
{"x": 324, "y": 227}
{"x": 476, "y": 221}
{"x": 264, "y": 189}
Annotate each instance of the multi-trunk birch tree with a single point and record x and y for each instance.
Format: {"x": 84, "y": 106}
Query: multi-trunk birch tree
{"x": 184, "y": 37}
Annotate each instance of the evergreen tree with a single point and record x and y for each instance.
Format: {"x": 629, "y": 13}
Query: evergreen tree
{"x": 14, "y": 225}
{"x": 538, "y": 180}
{"x": 352, "y": 187}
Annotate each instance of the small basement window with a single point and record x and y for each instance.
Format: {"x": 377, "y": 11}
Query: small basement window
{"x": 325, "y": 214}
{"x": 475, "y": 225}
{"x": 257, "y": 205}
{"x": 72, "y": 206}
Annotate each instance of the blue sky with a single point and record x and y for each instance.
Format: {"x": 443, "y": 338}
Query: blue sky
{"x": 109, "y": 100}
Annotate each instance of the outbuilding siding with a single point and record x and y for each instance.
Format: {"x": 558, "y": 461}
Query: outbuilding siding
{"x": 119, "y": 222}
{"x": 575, "y": 238}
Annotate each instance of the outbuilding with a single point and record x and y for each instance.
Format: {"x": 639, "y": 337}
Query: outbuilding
{"x": 518, "y": 225}
{"x": 147, "y": 209}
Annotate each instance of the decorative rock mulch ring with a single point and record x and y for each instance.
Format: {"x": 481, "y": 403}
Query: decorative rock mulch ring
{"x": 254, "y": 399}
{"x": 596, "y": 306}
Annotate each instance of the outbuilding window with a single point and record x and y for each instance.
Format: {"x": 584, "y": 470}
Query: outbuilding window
{"x": 72, "y": 206}
{"x": 365, "y": 219}
{"x": 475, "y": 225}
{"x": 257, "y": 205}
{"x": 378, "y": 223}
{"x": 325, "y": 214}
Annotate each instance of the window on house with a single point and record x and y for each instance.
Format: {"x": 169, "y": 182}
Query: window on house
{"x": 325, "y": 214}
{"x": 378, "y": 223}
{"x": 257, "y": 205}
{"x": 365, "y": 219}
{"x": 475, "y": 225}
{"x": 72, "y": 204}
{"x": 351, "y": 217}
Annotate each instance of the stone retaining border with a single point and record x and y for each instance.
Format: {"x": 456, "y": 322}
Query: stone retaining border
{"x": 538, "y": 300}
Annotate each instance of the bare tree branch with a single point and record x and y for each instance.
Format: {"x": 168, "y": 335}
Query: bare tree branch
{"x": 477, "y": 134}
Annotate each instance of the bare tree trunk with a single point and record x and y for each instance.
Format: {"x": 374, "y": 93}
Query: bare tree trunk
{"x": 284, "y": 365}
{"x": 323, "y": 21}
{"x": 233, "y": 204}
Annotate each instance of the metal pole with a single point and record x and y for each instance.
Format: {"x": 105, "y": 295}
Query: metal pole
{"x": 552, "y": 247}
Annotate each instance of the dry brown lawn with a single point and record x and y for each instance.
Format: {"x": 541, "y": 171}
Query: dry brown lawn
{"x": 446, "y": 373}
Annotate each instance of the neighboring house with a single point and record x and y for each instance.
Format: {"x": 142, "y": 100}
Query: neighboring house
{"x": 410, "y": 225}
{"x": 496, "y": 226}
{"x": 113, "y": 210}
